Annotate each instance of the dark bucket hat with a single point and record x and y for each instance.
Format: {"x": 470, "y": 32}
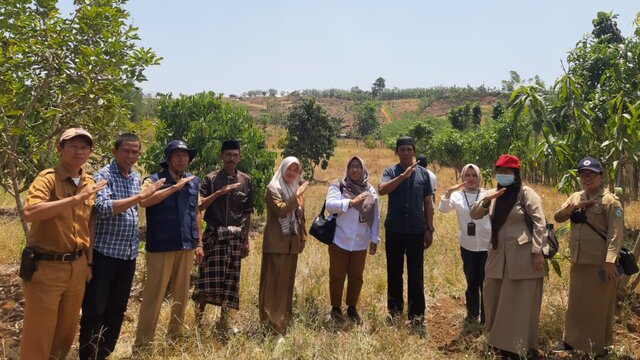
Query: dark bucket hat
{"x": 177, "y": 145}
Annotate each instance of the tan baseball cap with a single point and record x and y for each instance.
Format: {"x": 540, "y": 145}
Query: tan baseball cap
{"x": 73, "y": 132}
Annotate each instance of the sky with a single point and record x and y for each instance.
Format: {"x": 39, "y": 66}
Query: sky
{"x": 238, "y": 45}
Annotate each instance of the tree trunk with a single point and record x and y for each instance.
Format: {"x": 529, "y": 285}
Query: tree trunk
{"x": 16, "y": 195}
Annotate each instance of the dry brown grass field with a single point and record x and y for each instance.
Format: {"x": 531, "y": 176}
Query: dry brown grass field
{"x": 312, "y": 335}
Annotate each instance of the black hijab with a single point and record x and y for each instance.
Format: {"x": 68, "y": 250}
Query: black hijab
{"x": 504, "y": 204}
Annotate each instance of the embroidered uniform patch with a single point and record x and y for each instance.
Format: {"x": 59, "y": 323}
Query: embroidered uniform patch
{"x": 618, "y": 212}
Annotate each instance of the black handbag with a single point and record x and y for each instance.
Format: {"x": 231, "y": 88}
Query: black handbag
{"x": 627, "y": 261}
{"x": 323, "y": 228}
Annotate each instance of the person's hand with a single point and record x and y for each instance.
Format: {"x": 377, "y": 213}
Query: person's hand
{"x": 182, "y": 182}
{"x": 427, "y": 239}
{"x": 610, "y": 271}
{"x": 89, "y": 275}
{"x": 585, "y": 204}
{"x": 538, "y": 261}
{"x": 229, "y": 188}
{"x": 302, "y": 188}
{"x": 457, "y": 187}
{"x": 495, "y": 194}
{"x": 151, "y": 189}
{"x": 199, "y": 253}
{"x": 244, "y": 250}
{"x": 358, "y": 199}
{"x": 89, "y": 191}
{"x": 407, "y": 173}
{"x": 373, "y": 248}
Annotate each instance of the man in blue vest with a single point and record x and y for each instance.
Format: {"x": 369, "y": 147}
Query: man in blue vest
{"x": 174, "y": 234}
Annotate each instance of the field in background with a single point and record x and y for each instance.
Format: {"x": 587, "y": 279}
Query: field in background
{"x": 312, "y": 334}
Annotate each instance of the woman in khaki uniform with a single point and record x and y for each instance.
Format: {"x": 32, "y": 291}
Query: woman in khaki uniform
{"x": 514, "y": 269}
{"x": 597, "y": 225}
{"x": 284, "y": 239}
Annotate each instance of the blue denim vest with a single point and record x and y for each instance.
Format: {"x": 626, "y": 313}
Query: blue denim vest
{"x": 171, "y": 224}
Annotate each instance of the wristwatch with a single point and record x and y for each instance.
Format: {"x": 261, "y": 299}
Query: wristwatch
{"x": 431, "y": 229}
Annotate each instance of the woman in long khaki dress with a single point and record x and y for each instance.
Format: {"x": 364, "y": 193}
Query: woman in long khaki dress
{"x": 597, "y": 226}
{"x": 284, "y": 238}
{"x": 514, "y": 270}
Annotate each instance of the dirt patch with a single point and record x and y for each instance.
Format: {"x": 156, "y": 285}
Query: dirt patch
{"x": 8, "y": 212}
{"x": 11, "y": 305}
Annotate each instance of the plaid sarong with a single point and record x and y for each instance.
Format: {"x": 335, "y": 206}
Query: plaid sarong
{"x": 219, "y": 273}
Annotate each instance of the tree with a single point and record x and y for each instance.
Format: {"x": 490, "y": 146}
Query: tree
{"x": 58, "y": 72}
{"x": 476, "y": 114}
{"x": 377, "y": 88}
{"x": 514, "y": 81}
{"x": 497, "y": 110}
{"x": 311, "y": 135}
{"x": 366, "y": 118}
{"x": 204, "y": 121}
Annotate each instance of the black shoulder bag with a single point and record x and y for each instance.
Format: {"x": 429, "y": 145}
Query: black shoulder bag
{"x": 324, "y": 228}
{"x": 554, "y": 246}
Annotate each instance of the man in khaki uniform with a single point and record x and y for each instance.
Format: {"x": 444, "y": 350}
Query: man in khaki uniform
{"x": 58, "y": 206}
{"x": 597, "y": 225}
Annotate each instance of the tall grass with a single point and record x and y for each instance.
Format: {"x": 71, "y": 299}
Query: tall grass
{"x": 313, "y": 336}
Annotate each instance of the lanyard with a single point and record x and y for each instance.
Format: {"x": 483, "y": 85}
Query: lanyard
{"x": 467, "y": 200}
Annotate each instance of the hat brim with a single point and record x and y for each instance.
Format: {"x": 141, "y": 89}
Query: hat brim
{"x": 599, "y": 171}
{"x": 191, "y": 152}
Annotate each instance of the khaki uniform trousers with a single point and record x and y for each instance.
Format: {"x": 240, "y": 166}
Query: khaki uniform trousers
{"x": 53, "y": 299}
{"x": 343, "y": 263}
{"x": 162, "y": 267}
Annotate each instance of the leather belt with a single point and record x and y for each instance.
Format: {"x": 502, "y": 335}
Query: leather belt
{"x": 64, "y": 257}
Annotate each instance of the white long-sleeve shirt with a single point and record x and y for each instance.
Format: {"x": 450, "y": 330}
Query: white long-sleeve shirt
{"x": 351, "y": 234}
{"x": 482, "y": 239}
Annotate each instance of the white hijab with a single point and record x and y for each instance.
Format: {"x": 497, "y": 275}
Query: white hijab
{"x": 278, "y": 185}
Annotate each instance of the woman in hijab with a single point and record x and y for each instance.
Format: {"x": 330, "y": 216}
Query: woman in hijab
{"x": 284, "y": 238}
{"x": 473, "y": 236}
{"x": 514, "y": 270}
{"x": 595, "y": 239}
{"x": 356, "y": 204}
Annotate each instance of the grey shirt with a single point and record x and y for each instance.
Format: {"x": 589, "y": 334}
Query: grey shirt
{"x": 406, "y": 203}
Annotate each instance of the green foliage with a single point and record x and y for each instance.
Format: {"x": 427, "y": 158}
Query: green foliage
{"x": 366, "y": 118}
{"x": 476, "y": 114}
{"x": 57, "y": 72}
{"x": 204, "y": 121}
{"x": 370, "y": 142}
{"x": 497, "y": 110}
{"x": 311, "y": 135}
{"x": 377, "y": 88}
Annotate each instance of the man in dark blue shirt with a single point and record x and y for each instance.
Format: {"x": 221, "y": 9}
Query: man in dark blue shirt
{"x": 409, "y": 230}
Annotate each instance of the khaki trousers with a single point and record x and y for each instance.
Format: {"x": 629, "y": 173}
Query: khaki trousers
{"x": 162, "y": 267}
{"x": 53, "y": 299}
{"x": 343, "y": 263}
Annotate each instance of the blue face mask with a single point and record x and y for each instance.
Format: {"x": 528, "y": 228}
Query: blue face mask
{"x": 505, "y": 179}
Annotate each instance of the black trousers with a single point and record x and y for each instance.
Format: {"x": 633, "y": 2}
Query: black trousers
{"x": 397, "y": 246}
{"x": 104, "y": 304}
{"x": 473, "y": 266}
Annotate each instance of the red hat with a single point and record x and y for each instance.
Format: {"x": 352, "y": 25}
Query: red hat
{"x": 508, "y": 161}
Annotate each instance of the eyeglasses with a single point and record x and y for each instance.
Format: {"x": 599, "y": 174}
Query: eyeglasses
{"x": 588, "y": 174}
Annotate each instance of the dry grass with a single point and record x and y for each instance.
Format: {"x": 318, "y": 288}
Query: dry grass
{"x": 312, "y": 335}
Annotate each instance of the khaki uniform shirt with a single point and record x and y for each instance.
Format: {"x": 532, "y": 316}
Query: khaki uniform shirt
{"x": 68, "y": 230}
{"x": 606, "y": 215}
{"x": 512, "y": 259}
{"x": 274, "y": 241}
